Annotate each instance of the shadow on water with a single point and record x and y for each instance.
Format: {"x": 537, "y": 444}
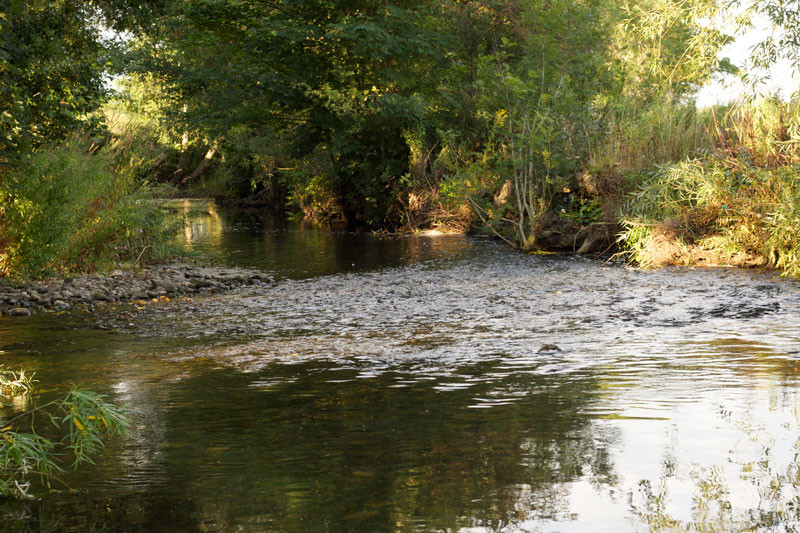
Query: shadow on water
{"x": 400, "y": 384}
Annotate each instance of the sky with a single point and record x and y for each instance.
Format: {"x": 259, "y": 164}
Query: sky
{"x": 780, "y": 79}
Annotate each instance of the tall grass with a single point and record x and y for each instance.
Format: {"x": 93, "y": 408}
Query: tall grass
{"x": 76, "y": 207}
{"x": 639, "y": 136}
{"x": 740, "y": 194}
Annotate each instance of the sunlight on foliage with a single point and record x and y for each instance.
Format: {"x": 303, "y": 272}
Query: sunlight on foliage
{"x": 85, "y": 418}
{"x": 78, "y": 206}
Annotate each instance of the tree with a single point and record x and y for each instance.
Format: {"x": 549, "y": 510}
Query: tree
{"x": 50, "y": 72}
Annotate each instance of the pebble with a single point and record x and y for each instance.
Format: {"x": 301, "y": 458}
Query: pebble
{"x": 178, "y": 279}
{"x": 549, "y": 348}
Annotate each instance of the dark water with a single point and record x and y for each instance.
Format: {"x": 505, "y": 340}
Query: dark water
{"x": 397, "y": 384}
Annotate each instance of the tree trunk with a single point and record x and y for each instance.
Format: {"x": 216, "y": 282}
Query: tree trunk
{"x": 184, "y": 150}
{"x": 204, "y": 164}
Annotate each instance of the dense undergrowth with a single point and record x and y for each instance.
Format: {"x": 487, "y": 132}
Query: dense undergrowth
{"x": 80, "y": 205}
{"x": 735, "y": 201}
{"x": 551, "y": 124}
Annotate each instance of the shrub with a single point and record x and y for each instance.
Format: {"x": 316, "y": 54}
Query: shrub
{"x": 719, "y": 203}
{"x": 78, "y": 207}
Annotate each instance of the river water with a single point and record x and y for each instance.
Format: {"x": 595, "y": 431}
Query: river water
{"x": 411, "y": 383}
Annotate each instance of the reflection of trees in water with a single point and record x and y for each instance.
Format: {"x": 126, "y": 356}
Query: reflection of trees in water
{"x": 201, "y": 221}
{"x": 756, "y": 468}
{"x": 255, "y": 238}
{"x": 132, "y": 469}
{"x": 311, "y": 454}
{"x": 365, "y": 456}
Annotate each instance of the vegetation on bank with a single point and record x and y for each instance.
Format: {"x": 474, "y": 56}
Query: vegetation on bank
{"x": 736, "y": 201}
{"x": 80, "y": 206}
{"x": 566, "y": 125}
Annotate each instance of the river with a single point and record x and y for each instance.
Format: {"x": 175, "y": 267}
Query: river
{"x": 429, "y": 383}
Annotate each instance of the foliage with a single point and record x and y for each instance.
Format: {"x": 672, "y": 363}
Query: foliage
{"x": 585, "y": 211}
{"x": 53, "y": 57}
{"x": 535, "y": 92}
{"x": 783, "y": 42}
{"x": 50, "y": 72}
{"x": 389, "y": 115}
{"x": 84, "y": 417}
{"x": 724, "y": 202}
{"x": 12, "y": 383}
{"x": 665, "y": 49}
{"x": 337, "y": 74}
{"x": 78, "y": 206}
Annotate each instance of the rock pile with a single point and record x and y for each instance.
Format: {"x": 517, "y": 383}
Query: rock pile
{"x": 154, "y": 282}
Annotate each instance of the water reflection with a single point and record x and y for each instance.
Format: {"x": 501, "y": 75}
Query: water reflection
{"x": 409, "y": 393}
{"x": 751, "y": 486}
{"x": 302, "y": 249}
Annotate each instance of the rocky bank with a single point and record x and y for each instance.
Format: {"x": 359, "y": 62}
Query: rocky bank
{"x": 164, "y": 281}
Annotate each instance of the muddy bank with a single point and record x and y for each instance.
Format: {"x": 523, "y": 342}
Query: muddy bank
{"x": 163, "y": 281}
{"x": 670, "y": 244}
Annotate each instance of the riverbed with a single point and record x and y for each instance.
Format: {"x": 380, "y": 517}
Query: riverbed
{"x": 429, "y": 383}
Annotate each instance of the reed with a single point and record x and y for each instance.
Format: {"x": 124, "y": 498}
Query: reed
{"x": 738, "y": 196}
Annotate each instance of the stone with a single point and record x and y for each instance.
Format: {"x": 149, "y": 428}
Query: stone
{"x": 169, "y": 286}
{"x": 157, "y": 282}
{"x": 549, "y": 348}
{"x": 19, "y": 311}
{"x": 198, "y": 283}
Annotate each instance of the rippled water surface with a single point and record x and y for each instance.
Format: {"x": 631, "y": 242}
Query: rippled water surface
{"x": 431, "y": 383}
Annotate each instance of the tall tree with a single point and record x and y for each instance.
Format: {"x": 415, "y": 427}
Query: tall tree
{"x": 51, "y": 63}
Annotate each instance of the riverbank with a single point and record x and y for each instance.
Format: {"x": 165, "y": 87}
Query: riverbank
{"x": 142, "y": 285}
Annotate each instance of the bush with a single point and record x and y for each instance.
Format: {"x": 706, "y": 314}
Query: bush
{"x": 78, "y": 207}
{"x": 717, "y": 203}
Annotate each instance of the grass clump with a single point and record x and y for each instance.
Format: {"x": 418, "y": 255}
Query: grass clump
{"x": 637, "y": 136}
{"x": 734, "y": 202}
{"x": 77, "y": 207}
